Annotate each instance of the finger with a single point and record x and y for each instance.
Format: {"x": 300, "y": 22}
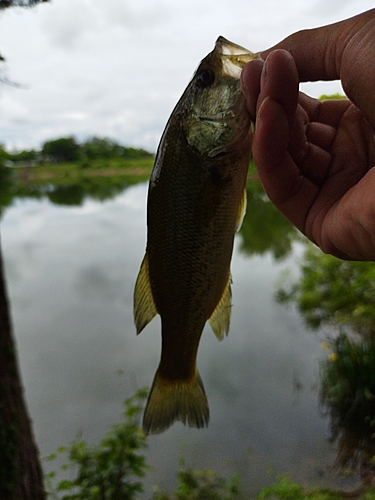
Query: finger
{"x": 315, "y": 163}
{"x": 318, "y": 51}
{"x": 327, "y": 111}
{"x": 250, "y": 81}
{"x": 320, "y": 135}
{"x": 342, "y": 51}
{"x": 279, "y": 81}
{"x": 292, "y": 193}
{"x": 310, "y": 149}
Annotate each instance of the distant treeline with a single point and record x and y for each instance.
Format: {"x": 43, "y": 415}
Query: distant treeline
{"x": 67, "y": 149}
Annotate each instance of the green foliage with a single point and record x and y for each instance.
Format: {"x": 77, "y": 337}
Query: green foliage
{"x": 6, "y": 188}
{"x": 70, "y": 194}
{"x": 97, "y": 147}
{"x": 348, "y": 394}
{"x": 3, "y": 155}
{"x": 26, "y": 155}
{"x": 333, "y": 292}
{"x": 101, "y": 148}
{"x": 67, "y": 184}
{"x": 107, "y": 471}
{"x": 64, "y": 149}
{"x": 285, "y": 489}
{"x": 324, "y": 97}
{"x": 111, "y": 471}
{"x": 67, "y": 149}
{"x": 340, "y": 294}
{"x": 203, "y": 485}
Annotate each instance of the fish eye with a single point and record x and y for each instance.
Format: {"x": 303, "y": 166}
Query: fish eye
{"x": 205, "y": 78}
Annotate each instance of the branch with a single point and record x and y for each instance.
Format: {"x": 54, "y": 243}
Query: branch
{"x": 4, "y": 4}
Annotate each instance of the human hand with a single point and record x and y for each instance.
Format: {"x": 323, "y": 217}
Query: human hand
{"x": 315, "y": 158}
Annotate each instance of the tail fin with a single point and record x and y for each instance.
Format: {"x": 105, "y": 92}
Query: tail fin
{"x": 172, "y": 400}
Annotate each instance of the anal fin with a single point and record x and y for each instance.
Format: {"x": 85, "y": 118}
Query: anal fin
{"x": 241, "y": 211}
{"x": 220, "y": 318}
{"x": 144, "y": 305}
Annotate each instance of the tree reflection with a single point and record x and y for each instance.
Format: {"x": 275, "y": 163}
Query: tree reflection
{"x": 340, "y": 295}
{"x": 100, "y": 189}
{"x": 62, "y": 190}
{"x": 264, "y": 228}
{"x": 6, "y": 188}
{"x": 348, "y": 396}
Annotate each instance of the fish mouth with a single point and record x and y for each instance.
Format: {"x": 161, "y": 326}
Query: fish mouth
{"x": 233, "y": 57}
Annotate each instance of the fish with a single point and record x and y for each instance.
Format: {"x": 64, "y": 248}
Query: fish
{"x": 196, "y": 202}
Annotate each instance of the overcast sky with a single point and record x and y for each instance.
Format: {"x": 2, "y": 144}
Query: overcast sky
{"x": 116, "y": 68}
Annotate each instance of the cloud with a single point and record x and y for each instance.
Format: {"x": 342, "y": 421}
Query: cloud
{"x": 132, "y": 15}
{"x": 66, "y": 23}
{"x": 118, "y": 67}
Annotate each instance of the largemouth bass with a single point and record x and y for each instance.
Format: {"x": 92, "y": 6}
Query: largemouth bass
{"x": 196, "y": 201}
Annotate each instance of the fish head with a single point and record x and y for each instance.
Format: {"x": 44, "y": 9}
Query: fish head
{"x": 216, "y": 118}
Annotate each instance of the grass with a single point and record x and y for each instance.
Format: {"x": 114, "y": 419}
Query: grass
{"x": 66, "y": 173}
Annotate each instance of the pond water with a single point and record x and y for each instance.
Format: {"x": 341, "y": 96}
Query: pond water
{"x": 70, "y": 274}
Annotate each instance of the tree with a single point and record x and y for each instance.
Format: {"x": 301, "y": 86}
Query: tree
{"x": 97, "y": 147}
{"x": 19, "y": 3}
{"x": 60, "y": 150}
{"x": 21, "y": 475}
{"x": 20, "y": 472}
{"x": 102, "y": 147}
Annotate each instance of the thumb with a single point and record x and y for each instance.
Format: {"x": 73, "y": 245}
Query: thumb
{"x": 343, "y": 51}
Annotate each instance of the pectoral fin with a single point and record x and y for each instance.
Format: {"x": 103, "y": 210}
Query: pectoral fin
{"x": 220, "y": 318}
{"x": 144, "y": 305}
{"x": 241, "y": 211}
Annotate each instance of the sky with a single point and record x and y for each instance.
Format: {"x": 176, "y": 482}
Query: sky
{"x": 116, "y": 68}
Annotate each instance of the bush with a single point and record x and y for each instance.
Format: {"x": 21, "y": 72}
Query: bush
{"x": 203, "y": 485}
{"x": 109, "y": 470}
{"x": 61, "y": 150}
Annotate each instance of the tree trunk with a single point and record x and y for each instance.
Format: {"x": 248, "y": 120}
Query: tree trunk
{"x": 21, "y": 475}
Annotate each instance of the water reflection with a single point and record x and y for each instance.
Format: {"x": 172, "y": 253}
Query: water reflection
{"x": 71, "y": 262}
{"x": 348, "y": 396}
{"x": 71, "y": 271}
{"x": 339, "y": 296}
{"x": 66, "y": 188}
{"x": 264, "y": 228}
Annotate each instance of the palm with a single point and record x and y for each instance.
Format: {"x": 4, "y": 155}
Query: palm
{"x": 314, "y": 159}
{"x": 337, "y": 155}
